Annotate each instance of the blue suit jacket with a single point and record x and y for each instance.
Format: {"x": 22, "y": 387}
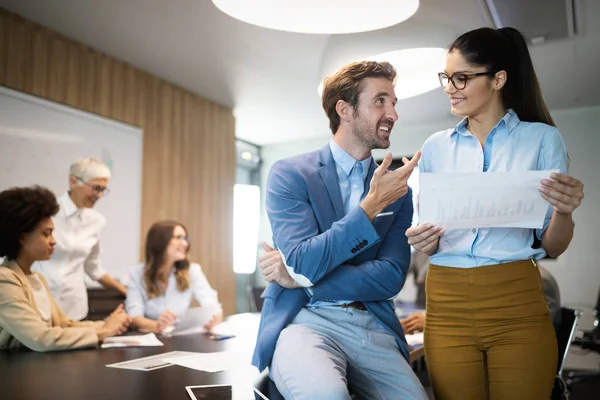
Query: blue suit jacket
{"x": 346, "y": 257}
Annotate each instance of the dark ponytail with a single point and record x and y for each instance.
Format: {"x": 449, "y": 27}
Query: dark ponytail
{"x": 505, "y": 49}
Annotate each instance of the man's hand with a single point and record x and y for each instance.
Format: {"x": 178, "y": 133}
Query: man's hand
{"x": 273, "y": 269}
{"x": 387, "y": 187}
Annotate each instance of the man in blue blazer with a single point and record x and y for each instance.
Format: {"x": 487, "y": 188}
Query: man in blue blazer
{"x": 339, "y": 224}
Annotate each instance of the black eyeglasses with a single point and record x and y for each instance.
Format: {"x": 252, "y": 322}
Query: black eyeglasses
{"x": 95, "y": 188}
{"x": 459, "y": 80}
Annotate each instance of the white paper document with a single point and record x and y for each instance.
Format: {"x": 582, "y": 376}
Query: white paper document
{"x": 482, "y": 199}
{"x": 147, "y": 340}
{"x": 152, "y": 362}
{"x": 415, "y": 339}
{"x": 214, "y": 362}
{"x": 193, "y": 321}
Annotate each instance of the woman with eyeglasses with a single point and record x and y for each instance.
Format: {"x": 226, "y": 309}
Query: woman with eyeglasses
{"x": 78, "y": 228}
{"x": 29, "y": 315}
{"x": 488, "y": 333}
{"x": 163, "y": 288}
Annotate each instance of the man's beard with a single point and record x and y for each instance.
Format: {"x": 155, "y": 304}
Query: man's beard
{"x": 367, "y": 136}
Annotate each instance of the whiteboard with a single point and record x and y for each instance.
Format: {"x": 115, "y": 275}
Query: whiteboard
{"x": 39, "y": 140}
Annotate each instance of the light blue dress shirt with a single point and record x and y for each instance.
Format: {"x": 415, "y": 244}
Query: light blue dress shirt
{"x": 137, "y": 303}
{"x": 352, "y": 187}
{"x": 512, "y": 145}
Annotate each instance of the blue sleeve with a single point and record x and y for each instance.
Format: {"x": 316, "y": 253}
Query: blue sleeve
{"x": 424, "y": 163}
{"x": 553, "y": 155}
{"x": 378, "y": 279}
{"x": 308, "y": 251}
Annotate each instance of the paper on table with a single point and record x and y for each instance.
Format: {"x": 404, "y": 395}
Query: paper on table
{"x": 214, "y": 362}
{"x": 148, "y": 340}
{"x": 482, "y": 199}
{"x": 152, "y": 362}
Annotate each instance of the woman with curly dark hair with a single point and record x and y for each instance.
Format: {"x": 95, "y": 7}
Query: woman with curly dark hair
{"x": 29, "y": 315}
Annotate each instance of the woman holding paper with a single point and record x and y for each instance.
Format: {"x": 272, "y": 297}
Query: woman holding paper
{"x": 163, "y": 288}
{"x": 488, "y": 330}
{"x": 29, "y": 315}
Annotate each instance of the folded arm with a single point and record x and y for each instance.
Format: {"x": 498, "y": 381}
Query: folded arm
{"x": 308, "y": 252}
{"x": 374, "y": 280}
{"x": 378, "y": 279}
{"x": 22, "y": 321}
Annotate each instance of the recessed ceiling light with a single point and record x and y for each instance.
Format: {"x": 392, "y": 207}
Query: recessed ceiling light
{"x": 320, "y": 16}
{"x": 417, "y": 69}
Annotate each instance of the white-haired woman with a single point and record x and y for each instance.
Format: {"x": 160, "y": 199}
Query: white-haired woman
{"x": 77, "y": 230}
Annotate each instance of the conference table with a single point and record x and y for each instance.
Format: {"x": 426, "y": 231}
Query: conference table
{"x": 82, "y": 374}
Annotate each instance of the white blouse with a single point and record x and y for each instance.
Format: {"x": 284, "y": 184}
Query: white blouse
{"x": 77, "y": 252}
{"x": 138, "y": 304}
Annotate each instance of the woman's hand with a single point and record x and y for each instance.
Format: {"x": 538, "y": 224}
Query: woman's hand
{"x": 165, "y": 320}
{"x": 563, "y": 192}
{"x": 215, "y": 321}
{"x": 116, "y": 324}
{"x": 413, "y": 323}
{"x": 424, "y": 238}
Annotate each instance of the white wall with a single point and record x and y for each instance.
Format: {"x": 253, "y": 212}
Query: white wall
{"x": 578, "y": 270}
{"x": 39, "y": 139}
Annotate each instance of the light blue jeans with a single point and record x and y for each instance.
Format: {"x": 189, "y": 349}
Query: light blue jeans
{"x": 326, "y": 349}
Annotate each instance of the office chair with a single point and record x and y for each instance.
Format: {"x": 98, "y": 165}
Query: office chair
{"x": 267, "y": 387}
{"x": 257, "y": 299}
{"x": 565, "y": 333}
{"x": 590, "y": 341}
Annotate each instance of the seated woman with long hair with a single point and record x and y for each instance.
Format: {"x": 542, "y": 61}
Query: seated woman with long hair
{"x": 29, "y": 315}
{"x": 167, "y": 284}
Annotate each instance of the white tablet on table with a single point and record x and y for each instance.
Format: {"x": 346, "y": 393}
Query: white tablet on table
{"x": 224, "y": 392}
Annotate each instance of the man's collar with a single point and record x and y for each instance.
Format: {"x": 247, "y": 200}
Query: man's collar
{"x": 346, "y": 161}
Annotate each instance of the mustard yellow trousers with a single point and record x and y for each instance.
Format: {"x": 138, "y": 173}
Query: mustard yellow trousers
{"x": 488, "y": 333}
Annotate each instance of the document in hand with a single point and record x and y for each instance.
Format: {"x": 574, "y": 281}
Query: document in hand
{"x": 482, "y": 199}
{"x": 194, "y": 320}
{"x": 415, "y": 339}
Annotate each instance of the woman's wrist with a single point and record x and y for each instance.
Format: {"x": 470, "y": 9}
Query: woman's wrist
{"x": 102, "y": 334}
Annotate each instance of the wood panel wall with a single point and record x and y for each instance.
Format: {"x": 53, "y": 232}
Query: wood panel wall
{"x": 189, "y": 142}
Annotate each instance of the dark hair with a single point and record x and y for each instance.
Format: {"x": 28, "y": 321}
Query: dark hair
{"x": 346, "y": 84}
{"x": 157, "y": 240}
{"x": 505, "y": 49}
{"x": 21, "y": 211}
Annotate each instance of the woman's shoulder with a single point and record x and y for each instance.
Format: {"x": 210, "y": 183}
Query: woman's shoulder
{"x": 195, "y": 268}
{"x": 137, "y": 271}
{"x": 7, "y": 274}
{"x": 539, "y": 128}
